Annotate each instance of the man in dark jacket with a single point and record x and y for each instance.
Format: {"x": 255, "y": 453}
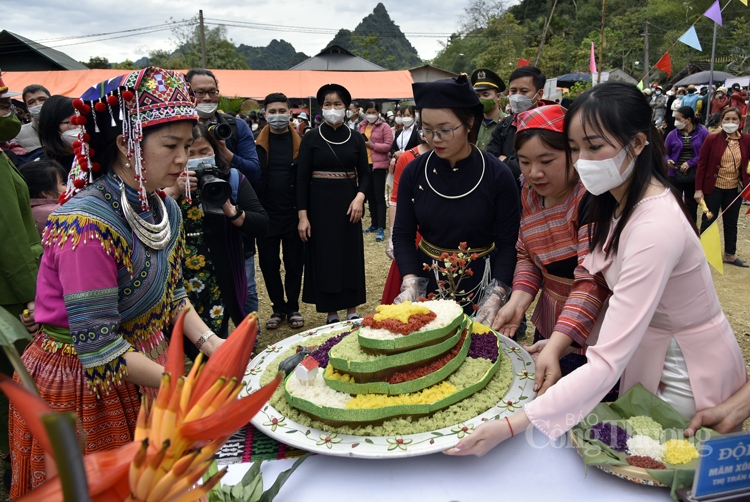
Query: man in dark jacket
{"x": 278, "y": 147}
{"x": 525, "y": 90}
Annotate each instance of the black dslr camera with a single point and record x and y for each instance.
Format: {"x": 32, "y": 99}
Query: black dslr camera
{"x": 220, "y": 130}
{"x": 214, "y": 190}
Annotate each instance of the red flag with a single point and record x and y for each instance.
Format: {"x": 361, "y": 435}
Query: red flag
{"x": 665, "y": 64}
{"x": 523, "y": 62}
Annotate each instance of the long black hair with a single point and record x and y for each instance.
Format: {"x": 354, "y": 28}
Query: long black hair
{"x": 54, "y": 111}
{"x": 42, "y": 176}
{"x": 621, "y": 111}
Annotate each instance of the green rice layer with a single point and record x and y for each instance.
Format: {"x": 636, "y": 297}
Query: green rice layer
{"x": 469, "y": 372}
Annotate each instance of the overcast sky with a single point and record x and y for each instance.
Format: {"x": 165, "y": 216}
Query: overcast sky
{"x": 43, "y": 20}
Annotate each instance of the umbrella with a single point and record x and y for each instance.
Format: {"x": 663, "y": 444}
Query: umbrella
{"x": 569, "y": 79}
{"x": 703, "y": 77}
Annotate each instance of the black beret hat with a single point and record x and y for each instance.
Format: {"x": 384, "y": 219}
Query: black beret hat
{"x": 338, "y": 89}
{"x": 449, "y": 93}
{"x": 483, "y": 78}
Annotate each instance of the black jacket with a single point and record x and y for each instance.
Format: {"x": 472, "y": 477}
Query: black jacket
{"x": 502, "y": 142}
{"x": 413, "y": 141}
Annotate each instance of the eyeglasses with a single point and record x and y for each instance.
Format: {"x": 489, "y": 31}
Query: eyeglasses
{"x": 442, "y": 134}
{"x": 202, "y": 94}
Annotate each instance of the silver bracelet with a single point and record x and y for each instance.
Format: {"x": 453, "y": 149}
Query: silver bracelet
{"x": 204, "y": 338}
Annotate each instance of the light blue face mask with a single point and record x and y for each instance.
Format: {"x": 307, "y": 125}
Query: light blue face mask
{"x": 192, "y": 163}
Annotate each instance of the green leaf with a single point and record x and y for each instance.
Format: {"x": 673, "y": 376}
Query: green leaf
{"x": 212, "y": 469}
{"x": 237, "y": 492}
{"x": 368, "y": 441}
{"x": 62, "y": 433}
{"x": 251, "y": 474}
{"x": 12, "y": 331}
{"x": 290, "y": 432}
{"x": 271, "y": 493}
{"x": 437, "y": 434}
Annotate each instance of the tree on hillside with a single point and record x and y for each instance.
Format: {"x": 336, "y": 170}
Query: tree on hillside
{"x": 221, "y": 53}
{"x": 97, "y": 62}
{"x": 480, "y": 13}
{"x": 277, "y": 55}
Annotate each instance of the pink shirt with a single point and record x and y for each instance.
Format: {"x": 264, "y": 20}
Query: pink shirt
{"x": 661, "y": 288}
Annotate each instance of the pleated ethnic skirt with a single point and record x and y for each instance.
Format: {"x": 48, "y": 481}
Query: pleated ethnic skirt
{"x": 102, "y": 423}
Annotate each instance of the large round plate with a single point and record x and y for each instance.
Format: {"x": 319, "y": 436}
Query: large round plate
{"x": 272, "y": 423}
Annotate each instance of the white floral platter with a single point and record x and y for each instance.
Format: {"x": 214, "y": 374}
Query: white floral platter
{"x": 272, "y": 423}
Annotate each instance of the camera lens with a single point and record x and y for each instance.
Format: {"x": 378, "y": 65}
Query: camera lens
{"x": 221, "y": 131}
{"x": 214, "y": 190}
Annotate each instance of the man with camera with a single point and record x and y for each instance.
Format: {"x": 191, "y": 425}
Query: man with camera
{"x": 278, "y": 147}
{"x": 236, "y": 142}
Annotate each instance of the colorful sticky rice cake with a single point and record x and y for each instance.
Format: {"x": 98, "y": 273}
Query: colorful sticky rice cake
{"x": 397, "y": 328}
{"x": 479, "y": 383}
{"x": 359, "y": 386}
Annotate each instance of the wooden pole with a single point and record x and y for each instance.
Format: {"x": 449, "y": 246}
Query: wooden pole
{"x": 601, "y": 44}
{"x": 646, "y": 64}
{"x": 203, "y": 39}
{"x": 544, "y": 33}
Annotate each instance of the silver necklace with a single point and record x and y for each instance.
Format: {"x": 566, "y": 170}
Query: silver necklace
{"x": 320, "y": 129}
{"x": 454, "y": 196}
{"x": 156, "y": 236}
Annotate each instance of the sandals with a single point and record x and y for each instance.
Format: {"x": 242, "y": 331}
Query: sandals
{"x": 737, "y": 263}
{"x": 296, "y": 320}
{"x": 275, "y": 320}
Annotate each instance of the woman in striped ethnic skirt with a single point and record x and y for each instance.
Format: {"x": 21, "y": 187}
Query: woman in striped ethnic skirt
{"x": 552, "y": 243}
{"x": 110, "y": 278}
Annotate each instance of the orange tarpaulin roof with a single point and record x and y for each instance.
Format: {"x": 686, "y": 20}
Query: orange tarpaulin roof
{"x": 256, "y": 84}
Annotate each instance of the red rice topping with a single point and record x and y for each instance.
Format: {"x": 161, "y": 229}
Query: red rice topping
{"x": 416, "y": 322}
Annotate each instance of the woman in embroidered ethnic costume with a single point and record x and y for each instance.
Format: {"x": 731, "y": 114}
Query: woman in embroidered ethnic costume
{"x": 452, "y": 195}
{"x": 663, "y": 328}
{"x": 552, "y": 243}
{"x": 110, "y": 278}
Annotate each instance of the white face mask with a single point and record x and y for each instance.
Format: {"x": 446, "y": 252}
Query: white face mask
{"x": 730, "y": 128}
{"x": 334, "y": 116}
{"x": 278, "y": 121}
{"x": 399, "y": 120}
{"x": 206, "y": 110}
{"x": 349, "y": 114}
{"x": 407, "y": 121}
{"x": 599, "y": 176}
{"x": 255, "y": 127}
{"x": 69, "y": 136}
{"x": 371, "y": 118}
{"x": 34, "y": 111}
{"x": 193, "y": 163}
{"x": 680, "y": 125}
{"x": 520, "y": 103}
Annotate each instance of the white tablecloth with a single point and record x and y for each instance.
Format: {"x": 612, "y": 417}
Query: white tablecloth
{"x": 527, "y": 468}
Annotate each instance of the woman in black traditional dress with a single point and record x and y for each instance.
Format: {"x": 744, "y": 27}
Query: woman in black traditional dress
{"x": 333, "y": 177}
{"x": 458, "y": 194}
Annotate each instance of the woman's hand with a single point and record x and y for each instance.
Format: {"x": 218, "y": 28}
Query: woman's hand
{"x": 303, "y": 227}
{"x": 684, "y": 167}
{"x": 368, "y": 144}
{"x": 698, "y": 196}
{"x": 547, "y": 366}
{"x": 508, "y": 318}
{"x": 182, "y": 181}
{"x": 356, "y": 208}
{"x": 28, "y": 320}
{"x": 483, "y": 439}
{"x": 397, "y": 154}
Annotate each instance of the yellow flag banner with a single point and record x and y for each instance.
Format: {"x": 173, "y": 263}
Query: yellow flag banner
{"x": 711, "y": 243}
{"x": 744, "y": 1}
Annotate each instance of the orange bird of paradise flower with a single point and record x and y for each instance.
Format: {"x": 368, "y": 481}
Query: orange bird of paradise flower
{"x": 175, "y": 442}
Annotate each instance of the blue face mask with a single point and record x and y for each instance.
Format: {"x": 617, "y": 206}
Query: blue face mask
{"x": 193, "y": 163}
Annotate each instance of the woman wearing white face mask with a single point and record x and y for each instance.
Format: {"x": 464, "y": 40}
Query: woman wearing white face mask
{"x": 664, "y": 328}
{"x": 407, "y": 137}
{"x": 214, "y": 268}
{"x": 722, "y": 172}
{"x": 378, "y": 139}
{"x": 56, "y": 133}
{"x": 683, "y": 144}
{"x": 333, "y": 177}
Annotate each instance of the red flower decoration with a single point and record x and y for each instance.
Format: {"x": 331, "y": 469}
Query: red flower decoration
{"x": 100, "y": 107}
